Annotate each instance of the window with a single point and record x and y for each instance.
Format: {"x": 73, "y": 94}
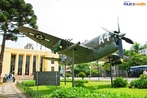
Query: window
{"x": 34, "y": 64}
{"x": 52, "y": 68}
{"x": 27, "y": 65}
{"x": 12, "y": 66}
{"x": 41, "y": 63}
{"x": 52, "y": 62}
{"x": 20, "y": 61}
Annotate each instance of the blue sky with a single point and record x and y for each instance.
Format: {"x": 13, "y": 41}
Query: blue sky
{"x": 83, "y": 19}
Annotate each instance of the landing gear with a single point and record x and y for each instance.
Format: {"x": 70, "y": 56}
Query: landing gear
{"x": 111, "y": 63}
{"x": 73, "y": 67}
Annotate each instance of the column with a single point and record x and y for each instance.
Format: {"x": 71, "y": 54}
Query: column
{"x": 24, "y": 65}
{"x": 49, "y": 65}
{"x": 38, "y": 63}
{"x": 31, "y": 65}
{"x": 16, "y": 65}
{"x": 44, "y": 65}
{"x": 55, "y": 65}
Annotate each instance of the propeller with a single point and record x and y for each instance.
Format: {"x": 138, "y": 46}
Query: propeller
{"x": 120, "y": 47}
{"x": 120, "y": 37}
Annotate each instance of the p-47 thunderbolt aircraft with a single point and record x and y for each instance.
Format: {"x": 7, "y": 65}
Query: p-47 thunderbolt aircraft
{"x": 98, "y": 48}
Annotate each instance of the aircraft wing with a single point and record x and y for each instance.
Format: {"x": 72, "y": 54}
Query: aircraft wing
{"x": 80, "y": 54}
{"x": 57, "y": 44}
{"x": 44, "y": 39}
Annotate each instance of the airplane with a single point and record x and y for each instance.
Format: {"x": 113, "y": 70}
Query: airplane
{"x": 98, "y": 48}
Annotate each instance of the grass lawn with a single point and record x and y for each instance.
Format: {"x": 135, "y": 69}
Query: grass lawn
{"x": 48, "y": 89}
{"x": 97, "y": 86}
{"x": 107, "y": 87}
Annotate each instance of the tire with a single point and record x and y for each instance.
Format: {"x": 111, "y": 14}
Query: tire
{"x": 13, "y": 79}
{"x": 4, "y": 79}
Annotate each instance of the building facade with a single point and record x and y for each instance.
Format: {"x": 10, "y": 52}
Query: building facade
{"x": 143, "y": 51}
{"x": 24, "y": 62}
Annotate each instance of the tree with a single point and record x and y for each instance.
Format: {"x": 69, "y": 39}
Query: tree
{"x": 14, "y": 13}
{"x": 96, "y": 67}
{"x": 82, "y": 75}
{"x": 29, "y": 46}
{"x": 135, "y": 59}
{"x": 137, "y": 46}
{"x": 83, "y": 67}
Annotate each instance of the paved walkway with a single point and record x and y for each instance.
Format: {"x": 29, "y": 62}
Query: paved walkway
{"x": 9, "y": 90}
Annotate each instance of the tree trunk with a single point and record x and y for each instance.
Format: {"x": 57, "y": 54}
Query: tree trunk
{"x": 2, "y": 52}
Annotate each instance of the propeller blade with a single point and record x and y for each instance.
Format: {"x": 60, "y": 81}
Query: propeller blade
{"x": 128, "y": 40}
{"x": 120, "y": 48}
{"x": 118, "y": 25}
{"x": 112, "y": 32}
{"x": 107, "y": 30}
{"x": 121, "y": 35}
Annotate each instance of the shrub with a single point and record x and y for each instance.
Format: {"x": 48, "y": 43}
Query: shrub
{"x": 28, "y": 83}
{"x": 80, "y": 92}
{"x": 68, "y": 75}
{"x": 80, "y": 83}
{"x": 82, "y": 74}
{"x": 139, "y": 83}
{"x": 142, "y": 76}
{"x": 120, "y": 82}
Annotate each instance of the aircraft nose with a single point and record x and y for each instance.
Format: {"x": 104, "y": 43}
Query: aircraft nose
{"x": 121, "y": 35}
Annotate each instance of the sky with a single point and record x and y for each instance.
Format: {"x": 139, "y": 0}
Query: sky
{"x": 82, "y": 20}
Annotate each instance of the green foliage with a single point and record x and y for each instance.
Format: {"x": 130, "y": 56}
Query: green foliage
{"x": 82, "y": 68}
{"x": 80, "y": 92}
{"x": 12, "y": 16}
{"x": 29, "y": 91}
{"x": 102, "y": 89}
{"x": 134, "y": 59}
{"x": 76, "y": 81}
{"x": 120, "y": 82}
{"x": 68, "y": 75}
{"x": 28, "y": 83}
{"x": 67, "y": 80}
{"x": 139, "y": 83}
{"x": 143, "y": 76}
{"x": 80, "y": 83}
{"x": 14, "y": 13}
{"x": 137, "y": 46}
{"x": 106, "y": 66}
{"x": 82, "y": 74}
